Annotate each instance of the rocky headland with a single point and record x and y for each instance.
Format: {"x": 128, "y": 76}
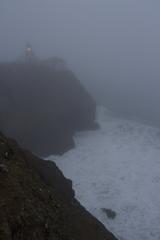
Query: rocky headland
{"x": 42, "y": 106}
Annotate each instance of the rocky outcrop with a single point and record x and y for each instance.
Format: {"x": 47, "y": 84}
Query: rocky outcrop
{"x": 56, "y": 64}
{"x": 37, "y": 202}
{"x": 42, "y": 108}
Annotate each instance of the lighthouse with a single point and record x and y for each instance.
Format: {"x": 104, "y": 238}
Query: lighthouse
{"x": 29, "y": 55}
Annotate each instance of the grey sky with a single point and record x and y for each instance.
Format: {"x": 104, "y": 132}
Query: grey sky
{"x": 90, "y": 29}
{"x": 111, "y": 41}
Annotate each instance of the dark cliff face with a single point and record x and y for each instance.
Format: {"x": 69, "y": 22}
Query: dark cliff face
{"x": 42, "y": 108}
{"x": 38, "y": 205}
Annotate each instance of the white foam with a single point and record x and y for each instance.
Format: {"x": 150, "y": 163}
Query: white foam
{"x": 118, "y": 168}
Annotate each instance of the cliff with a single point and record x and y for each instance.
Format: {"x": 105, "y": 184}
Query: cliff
{"x": 42, "y": 108}
{"x": 38, "y": 203}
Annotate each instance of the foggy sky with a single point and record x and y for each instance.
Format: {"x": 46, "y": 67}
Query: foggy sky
{"x": 112, "y": 45}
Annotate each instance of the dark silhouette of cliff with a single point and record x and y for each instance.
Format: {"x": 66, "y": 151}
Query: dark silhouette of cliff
{"x": 37, "y": 202}
{"x": 42, "y": 108}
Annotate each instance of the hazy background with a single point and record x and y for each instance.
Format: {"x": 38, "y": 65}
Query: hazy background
{"x": 113, "y": 46}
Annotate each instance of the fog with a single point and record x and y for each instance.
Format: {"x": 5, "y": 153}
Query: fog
{"x": 112, "y": 46}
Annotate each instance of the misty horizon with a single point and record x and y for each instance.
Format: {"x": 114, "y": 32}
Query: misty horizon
{"x": 80, "y": 86}
{"x": 113, "y": 47}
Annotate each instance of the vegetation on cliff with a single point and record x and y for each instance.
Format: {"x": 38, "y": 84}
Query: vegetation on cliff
{"x": 35, "y": 205}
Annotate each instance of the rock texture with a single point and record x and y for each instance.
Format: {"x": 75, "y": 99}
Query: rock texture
{"x": 37, "y": 202}
{"x": 42, "y": 108}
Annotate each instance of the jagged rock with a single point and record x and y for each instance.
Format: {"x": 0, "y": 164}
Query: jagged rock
{"x": 3, "y": 168}
{"x": 35, "y": 205}
{"x": 110, "y": 213}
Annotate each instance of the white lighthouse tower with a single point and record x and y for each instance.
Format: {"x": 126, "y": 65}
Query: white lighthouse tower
{"x": 29, "y": 54}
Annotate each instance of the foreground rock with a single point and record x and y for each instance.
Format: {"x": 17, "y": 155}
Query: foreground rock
{"x": 37, "y": 202}
{"x": 42, "y": 107}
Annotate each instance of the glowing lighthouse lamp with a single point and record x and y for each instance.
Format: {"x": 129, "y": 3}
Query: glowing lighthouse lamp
{"x": 29, "y": 56}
